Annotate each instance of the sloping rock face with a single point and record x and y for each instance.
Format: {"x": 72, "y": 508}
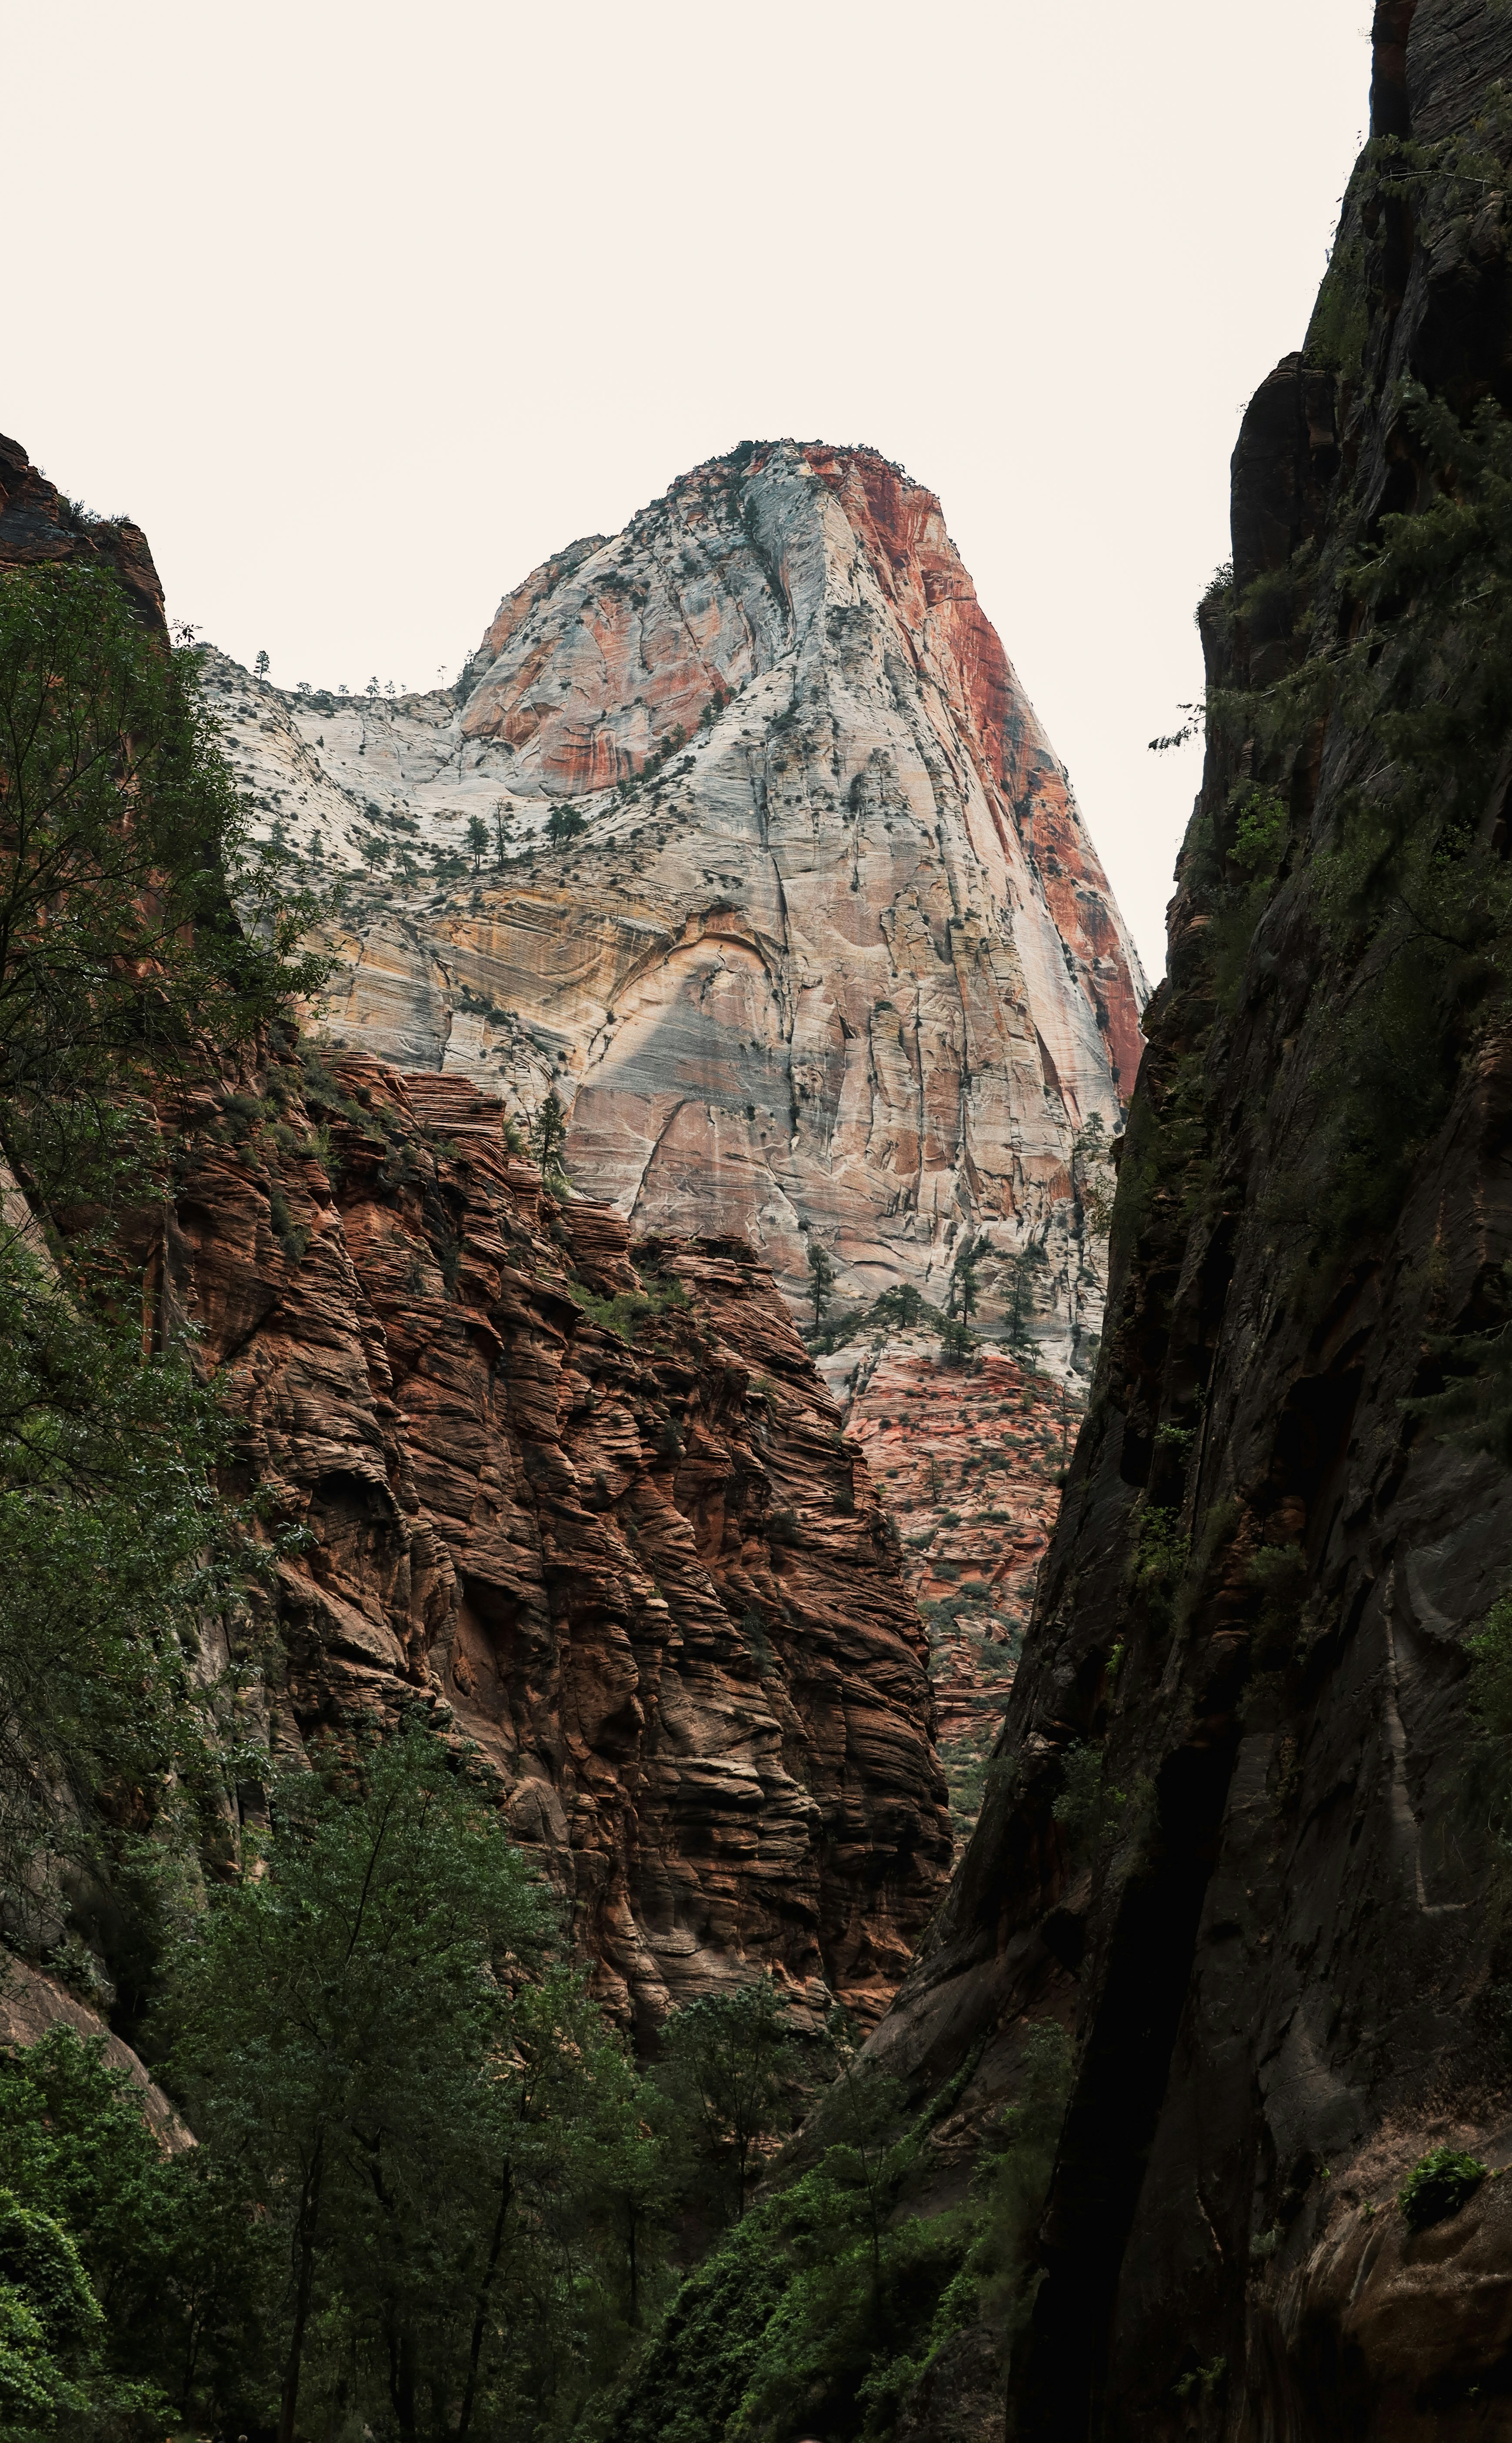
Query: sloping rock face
{"x": 646, "y": 1576}
{"x": 1276, "y": 1920}
{"x": 828, "y": 956}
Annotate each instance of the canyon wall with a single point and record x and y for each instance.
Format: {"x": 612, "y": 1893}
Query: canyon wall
{"x": 589, "y": 1505}
{"x": 823, "y": 951}
{"x": 1244, "y": 1832}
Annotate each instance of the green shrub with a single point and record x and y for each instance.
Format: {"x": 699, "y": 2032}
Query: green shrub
{"x": 1490, "y": 1653}
{"x": 1160, "y": 1557}
{"x": 1438, "y": 2186}
{"x": 624, "y": 1313}
{"x": 1085, "y": 1808}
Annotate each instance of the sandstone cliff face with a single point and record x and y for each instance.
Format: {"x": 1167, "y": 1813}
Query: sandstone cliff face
{"x": 832, "y": 956}
{"x": 1278, "y": 1928}
{"x": 648, "y": 1577}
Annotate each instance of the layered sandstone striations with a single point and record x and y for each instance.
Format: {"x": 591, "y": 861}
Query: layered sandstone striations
{"x": 1274, "y": 1917}
{"x": 970, "y": 1462}
{"x": 831, "y": 957}
{"x": 591, "y": 1504}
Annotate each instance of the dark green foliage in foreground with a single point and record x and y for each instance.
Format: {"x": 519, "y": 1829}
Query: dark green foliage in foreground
{"x": 729, "y": 2063}
{"x": 820, "y": 2311}
{"x": 115, "y": 1545}
{"x": 50, "y": 2322}
{"x": 175, "y": 2262}
{"x": 1438, "y": 2186}
{"x": 434, "y": 2131}
{"x": 427, "y": 2198}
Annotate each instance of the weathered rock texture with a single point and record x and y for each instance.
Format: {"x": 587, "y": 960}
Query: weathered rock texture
{"x": 969, "y": 1460}
{"x": 652, "y": 1583}
{"x": 1282, "y": 1948}
{"x": 833, "y": 955}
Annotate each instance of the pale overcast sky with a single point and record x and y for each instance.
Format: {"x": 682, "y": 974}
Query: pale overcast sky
{"x": 363, "y": 309}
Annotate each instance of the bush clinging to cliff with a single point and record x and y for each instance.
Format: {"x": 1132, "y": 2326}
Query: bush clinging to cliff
{"x": 119, "y": 833}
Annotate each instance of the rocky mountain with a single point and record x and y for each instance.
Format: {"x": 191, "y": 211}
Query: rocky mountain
{"x": 737, "y": 832}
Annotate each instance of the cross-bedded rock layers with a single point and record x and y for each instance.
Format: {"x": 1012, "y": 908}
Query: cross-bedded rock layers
{"x": 608, "y": 1518}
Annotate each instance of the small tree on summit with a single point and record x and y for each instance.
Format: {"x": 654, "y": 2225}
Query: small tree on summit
{"x": 260, "y": 666}
{"x": 822, "y": 1280}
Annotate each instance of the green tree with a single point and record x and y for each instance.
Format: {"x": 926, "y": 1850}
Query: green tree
{"x": 1024, "y": 1266}
{"x": 902, "y": 1306}
{"x": 49, "y": 2322}
{"x": 730, "y": 2062}
{"x": 423, "y": 2107}
{"x": 477, "y": 840}
{"x": 964, "y": 1287}
{"x": 172, "y": 2255}
{"x": 548, "y": 1136}
{"x": 565, "y": 823}
{"x": 115, "y": 1548}
{"x": 957, "y": 1341}
{"x": 820, "y": 1279}
{"x": 260, "y": 666}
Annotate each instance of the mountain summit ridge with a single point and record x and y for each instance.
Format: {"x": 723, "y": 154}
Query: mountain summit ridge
{"x": 823, "y": 952}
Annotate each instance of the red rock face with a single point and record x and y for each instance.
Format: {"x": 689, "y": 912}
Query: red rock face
{"x": 902, "y": 528}
{"x": 652, "y": 1583}
{"x": 969, "y": 1464}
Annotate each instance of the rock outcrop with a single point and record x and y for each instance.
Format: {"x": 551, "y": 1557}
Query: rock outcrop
{"x": 589, "y": 1503}
{"x": 39, "y": 525}
{"x": 1274, "y": 1917}
{"x": 822, "y": 952}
